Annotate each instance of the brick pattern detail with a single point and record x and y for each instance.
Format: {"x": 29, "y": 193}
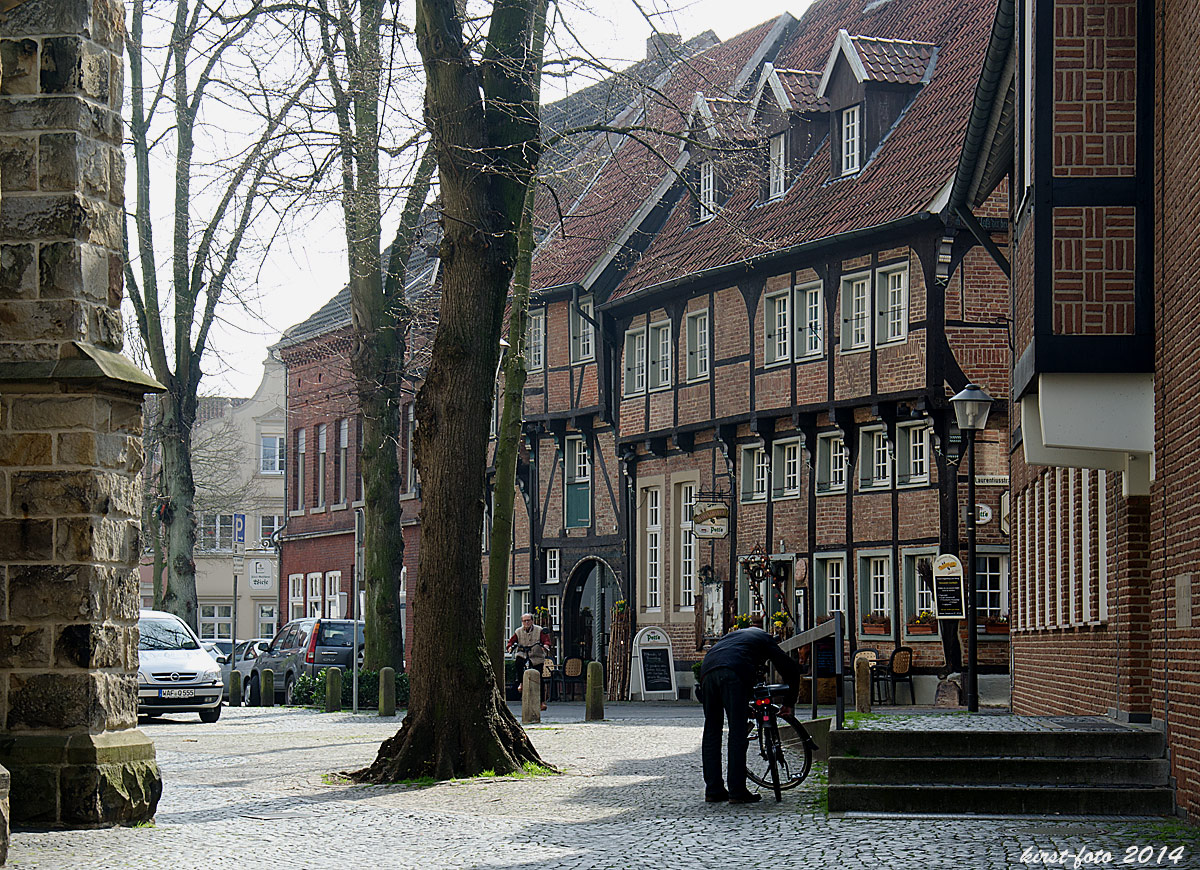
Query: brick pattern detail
{"x": 1093, "y": 271}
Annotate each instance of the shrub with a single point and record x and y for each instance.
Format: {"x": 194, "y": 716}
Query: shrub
{"x": 368, "y": 690}
{"x": 304, "y": 690}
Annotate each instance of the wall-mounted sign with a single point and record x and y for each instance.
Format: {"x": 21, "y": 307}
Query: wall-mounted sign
{"x": 983, "y": 514}
{"x": 710, "y": 519}
{"x": 949, "y": 589}
{"x": 991, "y": 480}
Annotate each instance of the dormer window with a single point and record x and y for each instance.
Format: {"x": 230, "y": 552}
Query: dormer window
{"x": 776, "y": 165}
{"x": 708, "y": 190}
{"x": 851, "y": 139}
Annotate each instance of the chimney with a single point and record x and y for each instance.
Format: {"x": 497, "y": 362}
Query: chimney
{"x": 663, "y": 46}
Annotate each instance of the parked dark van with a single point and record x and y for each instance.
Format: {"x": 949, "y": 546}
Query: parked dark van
{"x": 304, "y": 646}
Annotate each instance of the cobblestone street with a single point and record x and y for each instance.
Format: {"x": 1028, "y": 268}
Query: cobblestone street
{"x": 260, "y": 789}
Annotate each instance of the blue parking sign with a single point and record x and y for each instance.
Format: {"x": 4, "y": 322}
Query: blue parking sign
{"x": 239, "y": 528}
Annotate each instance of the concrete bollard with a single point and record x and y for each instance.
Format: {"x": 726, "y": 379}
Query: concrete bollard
{"x": 862, "y": 684}
{"x": 235, "y": 688}
{"x": 387, "y": 692}
{"x": 333, "y": 690}
{"x": 531, "y": 696}
{"x": 266, "y": 692}
{"x": 594, "y": 698}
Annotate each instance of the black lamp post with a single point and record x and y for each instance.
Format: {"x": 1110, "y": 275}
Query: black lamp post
{"x": 971, "y": 407}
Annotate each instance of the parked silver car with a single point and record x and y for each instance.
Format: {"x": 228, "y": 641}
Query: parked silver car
{"x": 175, "y": 674}
{"x": 242, "y": 661}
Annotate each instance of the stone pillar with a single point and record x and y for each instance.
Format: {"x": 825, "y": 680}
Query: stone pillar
{"x": 70, "y": 427}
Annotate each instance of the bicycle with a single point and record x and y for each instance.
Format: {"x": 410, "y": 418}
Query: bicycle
{"x": 785, "y": 753}
{"x": 523, "y": 653}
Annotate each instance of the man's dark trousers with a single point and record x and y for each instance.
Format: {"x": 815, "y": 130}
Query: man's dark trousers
{"x": 725, "y": 698}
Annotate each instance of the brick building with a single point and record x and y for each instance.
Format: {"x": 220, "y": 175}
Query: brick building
{"x": 770, "y": 312}
{"x": 1085, "y": 107}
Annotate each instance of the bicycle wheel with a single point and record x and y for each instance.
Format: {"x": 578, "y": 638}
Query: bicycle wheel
{"x": 771, "y": 749}
{"x": 793, "y": 756}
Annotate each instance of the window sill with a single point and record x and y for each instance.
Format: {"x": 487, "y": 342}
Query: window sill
{"x": 786, "y": 496}
{"x": 404, "y": 496}
{"x": 661, "y": 388}
{"x": 882, "y": 486}
{"x": 651, "y": 610}
{"x": 760, "y": 499}
{"x": 698, "y": 379}
{"x": 841, "y": 490}
{"x": 850, "y": 351}
{"x": 359, "y": 503}
{"x": 317, "y": 510}
{"x": 341, "y": 506}
{"x": 913, "y": 484}
{"x": 776, "y": 363}
{"x": 297, "y": 513}
{"x": 264, "y": 473}
{"x": 633, "y": 395}
{"x": 584, "y": 361}
{"x": 892, "y": 342}
{"x": 689, "y": 609}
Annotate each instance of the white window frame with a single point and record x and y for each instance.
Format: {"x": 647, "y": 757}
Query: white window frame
{"x": 708, "y": 191}
{"x": 553, "y": 564}
{"x": 984, "y": 589}
{"x": 410, "y": 465}
{"x": 301, "y": 462}
{"x": 698, "y": 345}
{"x": 875, "y": 459}
{"x": 787, "y": 465}
{"x": 912, "y": 464}
{"x": 276, "y": 523}
{"x": 583, "y": 343}
{"x": 856, "y": 312}
{"x": 851, "y": 120}
{"x": 832, "y": 571}
{"x": 333, "y": 594}
{"x": 322, "y": 458}
{"x": 831, "y": 462}
{"x": 756, "y": 473}
{"x": 276, "y": 462}
{"x": 809, "y": 317}
{"x": 268, "y": 620}
{"x": 341, "y": 462}
{"x": 554, "y": 608}
{"x": 315, "y": 579}
{"x": 777, "y": 328}
{"x": 216, "y": 621}
{"x": 878, "y": 570}
{"x": 658, "y": 350}
{"x": 216, "y": 533}
{"x": 295, "y": 596}
{"x": 535, "y": 338}
{"x": 635, "y": 361}
{"x": 777, "y": 164}
{"x": 892, "y": 305}
{"x": 653, "y": 548}
{"x": 688, "y": 573}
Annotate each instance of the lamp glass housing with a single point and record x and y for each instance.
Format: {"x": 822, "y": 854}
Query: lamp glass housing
{"x": 971, "y": 407}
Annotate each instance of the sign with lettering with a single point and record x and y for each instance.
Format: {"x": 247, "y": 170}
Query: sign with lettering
{"x": 949, "y": 589}
{"x": 653, "y": 677}
{"x": 710, "y": 519}
{"x": 261, "y": 576}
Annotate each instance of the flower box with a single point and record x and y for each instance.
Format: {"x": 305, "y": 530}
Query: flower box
{"x": 995, "y": 628}
{"x": 875, "y": 628}
{"x": 919, "y": 628}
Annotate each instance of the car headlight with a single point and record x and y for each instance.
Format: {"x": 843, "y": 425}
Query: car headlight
{"x": 211, "y": 676}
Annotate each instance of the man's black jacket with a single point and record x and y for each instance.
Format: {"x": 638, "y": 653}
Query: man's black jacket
{"x": 745, "y": 650}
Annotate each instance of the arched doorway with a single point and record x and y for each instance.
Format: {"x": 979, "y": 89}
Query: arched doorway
{"x": 591, "y": 591}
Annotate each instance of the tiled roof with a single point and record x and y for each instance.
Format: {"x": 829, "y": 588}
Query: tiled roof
{"x": 638, "y": 164}
{"x": 729, "y": 116}
{"x": 801, "y": 89}
{"x": 898, "y": 61}
{"x": 911, "y": 166}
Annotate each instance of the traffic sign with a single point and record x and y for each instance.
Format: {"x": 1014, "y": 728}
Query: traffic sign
{"x": 239, "y": 564}
{"x": 239, "y": 528}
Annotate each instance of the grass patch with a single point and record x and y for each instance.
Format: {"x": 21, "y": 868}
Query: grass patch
{"x": 529, "y": 770}
{"x": 148, "y": 823}
{"x": 419, "y": 782}
{"x": 1168, "y": 832}
{"x": 853, "y": 719}
{"x": 815, "y": 790}
{"x": 336, "y": 779}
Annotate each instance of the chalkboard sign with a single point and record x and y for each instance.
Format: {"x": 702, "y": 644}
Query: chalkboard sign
{"x": 656, "y": 669}
{"x": 949, "y": 592}
{"x": 825, "y": 661}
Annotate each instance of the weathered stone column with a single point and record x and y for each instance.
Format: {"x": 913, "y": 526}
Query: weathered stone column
{"x": 70, "y": 427}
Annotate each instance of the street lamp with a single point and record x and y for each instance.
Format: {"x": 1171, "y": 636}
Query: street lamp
{"x": 971, "y": 407}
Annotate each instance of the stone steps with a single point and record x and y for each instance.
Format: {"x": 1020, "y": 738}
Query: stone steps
{"x": 1117, "y": 772}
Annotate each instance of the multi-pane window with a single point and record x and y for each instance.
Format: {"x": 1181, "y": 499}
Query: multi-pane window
{"x": 778, "y": 327}
{"x": 535, "y": 338}
{"x": 990, "y": 593}
{"x": 831, "y": 463}
{"x": 216, "y": 621}
{"x": 893, "y": 305}
{"x": 358, "y": 446}
{"x": 579, "y": 484}
{"x": 635, "y": 362}
{"x": 554, "y": 608}
{"x": 708, "y": 190}
{"x": 787, "y": 468}
{"x": 268, "y": 525}
{"x": 697, "y": 345}
{"x": 879, "y": 576}
{"x": 835, "y": 585}
{"x": 660, "y": 356}
{"x": 270, "y": 454}
{"x": 851, "y": 140}
{"x": 295, "y": 596}
{"x": 924, "y": 585}
{"x": 913, "y": 460}
{"x": 301, "y": 460}
{"x": 340, "y": 460}
{"x": 582, "y": 334}
{"x": 687, "y": 546}
{"x": 322, "y": 452}
{"x": 553, "y": 564}
{"x": 808, "y": 320}
{"x": 410, "y": 467}
{"x": 333, "y": 599}
{"x": 856, "y": 301}
{"x": 876, "y": 467}
{"x": 216, "y": 532}
{"x": 756, "y": 472}
{"x": 266, "y": 620}
{"x": 653, "y": 547}
{"x": 314, "y": 593}
{"x": 776, "y": 161}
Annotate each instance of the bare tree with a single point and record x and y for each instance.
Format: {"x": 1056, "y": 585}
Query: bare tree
{"x": 211, "y": 69}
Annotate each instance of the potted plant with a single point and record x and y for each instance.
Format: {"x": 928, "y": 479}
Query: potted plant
{"x": 922, "y": 623}
{"x": 996, "y": 625}
{"x": 875, "y": 623}
{"x": 741, "y": 620}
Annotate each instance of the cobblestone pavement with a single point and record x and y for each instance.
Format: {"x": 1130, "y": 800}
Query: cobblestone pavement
{"x": 259, "y": 789}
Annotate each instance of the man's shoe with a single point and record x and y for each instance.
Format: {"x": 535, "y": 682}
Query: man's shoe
{"x": 747, "y": 798}
{"x": 543, "y": 708}
{"x": 716, "y": 797}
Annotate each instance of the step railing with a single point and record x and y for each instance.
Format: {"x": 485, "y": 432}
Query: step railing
{"x": 832, "y": 628}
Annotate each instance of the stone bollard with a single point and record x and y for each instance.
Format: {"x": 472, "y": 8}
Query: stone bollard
{"x": 266, "y": 692}
{"x": 862, "y": 684}
{"x": 531, "y": 696}
{"x": 235, "y": 688}
{"x": 333, "y": 690}
{"x": 593, "y": 708}
{"x": 387, "y": 692}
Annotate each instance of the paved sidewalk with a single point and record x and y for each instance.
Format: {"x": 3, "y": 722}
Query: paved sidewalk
{"x": 255, "y": 790}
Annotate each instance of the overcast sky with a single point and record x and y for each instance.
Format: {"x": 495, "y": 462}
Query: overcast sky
{"x": 305, "y": 270}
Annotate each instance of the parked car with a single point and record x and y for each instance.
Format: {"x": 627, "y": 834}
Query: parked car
{"x": 175, "y": 674}
{"x": 242, "y": 661}
{"x": 303, "y": 646}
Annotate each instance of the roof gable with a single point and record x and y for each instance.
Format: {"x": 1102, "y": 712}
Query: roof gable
{"x": 872, "y": 58}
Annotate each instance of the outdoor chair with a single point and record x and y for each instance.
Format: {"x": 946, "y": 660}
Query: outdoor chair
{"x": 897, "y": 670}
{"x": 572, "y": 676}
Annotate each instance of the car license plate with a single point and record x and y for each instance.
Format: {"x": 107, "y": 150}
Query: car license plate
{"x": 177, "y": 693}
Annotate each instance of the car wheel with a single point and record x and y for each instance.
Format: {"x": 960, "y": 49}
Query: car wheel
{"x": 210, "y": 716}
{"x": 288, "y": 689}
{"x": 253, "y": 692}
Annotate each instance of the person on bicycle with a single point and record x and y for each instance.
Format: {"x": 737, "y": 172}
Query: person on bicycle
{"x": 726, "y": 679}
{"x": 531, "y": 642}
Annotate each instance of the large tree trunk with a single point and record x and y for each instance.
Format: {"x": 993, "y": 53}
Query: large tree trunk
{"x": 179, "y": 414}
